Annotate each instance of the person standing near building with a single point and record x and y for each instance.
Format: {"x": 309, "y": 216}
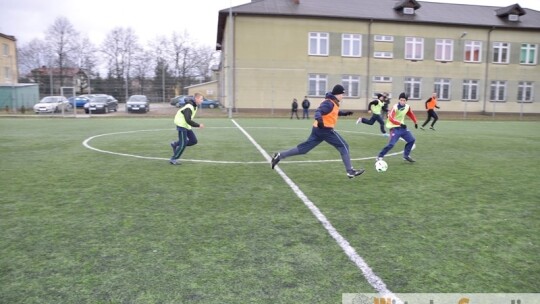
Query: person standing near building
{"x": 294, "y": 108}
{"x": 305, "y": 106}
{"x": 384, "y": 109}
{"x": 375, "y": 108}
{"x": 184, "y": 124}
{"x": 326, "y": 117}
{"x": 397, "y": 128}
{"x": 431, "y": 104}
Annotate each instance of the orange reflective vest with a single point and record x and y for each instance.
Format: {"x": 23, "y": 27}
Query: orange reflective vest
{"x": 330, "y": 119}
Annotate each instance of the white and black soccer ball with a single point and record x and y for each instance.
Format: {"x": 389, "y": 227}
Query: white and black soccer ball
{"x": 381, "y": 166}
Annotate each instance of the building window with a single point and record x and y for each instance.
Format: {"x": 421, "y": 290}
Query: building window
{"x": 351, "y": 45}
{"x": 444, "y": 49}
{"x": 528, "y": 53}
{"x": 470, "y": 90}
{"x": 414, "y": 48}
{"x": 389, "y": 55}
{"x": 497, "y": 92}
{"x": 383, "y": 38}
{"x": 317, "y": 84}
{"x": 5, "y": 49}
{"x": 7, "y": 74}
{"x": 382, "y": 79}
{"x": 442, "y": 88}
{"x": 412, "y": 87}
{"x": 318, "y": 44}
{"x": 525, "y": 91}
{"x": 501, "y": 51}
{"x": 351, "y": 83}
{"x": 473, "y": 51}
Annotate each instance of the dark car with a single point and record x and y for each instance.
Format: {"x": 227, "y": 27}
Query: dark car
{"x": 137, "y": 103}
{"x": 175, "y": 100}
{"x": 101, "y": 104}
{"x": 208, "y": 103}
{"x": 182, "y": 101}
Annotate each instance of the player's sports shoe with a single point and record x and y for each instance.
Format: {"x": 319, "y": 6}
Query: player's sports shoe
{"x": 422, "y": 128}
{"x": 275, "y": 159}
{"x": 386, "y": 135}
{"x": 354, "y": 173}
{"x": 432, "y": 128}
{"x": 409, "y": 159}
{"x": 174, "y": 162}
{"x": 359, "y": 120}
{"x": 378, "y": 158}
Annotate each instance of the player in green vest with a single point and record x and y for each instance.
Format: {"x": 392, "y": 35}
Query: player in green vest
{"x": 395, "y": 123}
{"x": 375, "y": 108}
{"x": 184, "y": 124}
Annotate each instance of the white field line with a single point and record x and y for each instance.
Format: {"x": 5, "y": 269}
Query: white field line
{"x": 86, "y": 143}
{"x": 368, "y": 273}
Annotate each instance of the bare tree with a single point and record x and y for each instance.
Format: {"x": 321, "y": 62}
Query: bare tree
{"x": 119, "y": 48}
{"x": 203, "y": 60}
{"x": 62, "y": 40}
{"x": 32, "y": 56}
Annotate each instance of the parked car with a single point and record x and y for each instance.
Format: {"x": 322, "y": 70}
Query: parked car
{"x": 209, "y": 103}
{"x": 175, "y": 100}
{"x": 101, "y": 104}
{"x": 79, "y": 101}
{"x": 137, "y": 103}
{"x": 52, "y": 104}
{"x": 182, "y": 101}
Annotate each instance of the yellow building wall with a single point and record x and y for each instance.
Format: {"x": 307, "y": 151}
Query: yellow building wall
{"x": 8, "y": 61}
{"x": 272, "y": 64}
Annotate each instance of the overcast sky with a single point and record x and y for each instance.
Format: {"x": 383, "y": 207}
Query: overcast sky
{"x": 29, "y": 19}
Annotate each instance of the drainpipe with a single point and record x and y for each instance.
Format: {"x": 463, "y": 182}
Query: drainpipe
{"x": 486, "y": 72}
{"x": 231, "y": 60}
{"x": 368, "y": 67}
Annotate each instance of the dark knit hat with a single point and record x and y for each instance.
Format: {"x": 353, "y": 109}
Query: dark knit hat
{"x": 403, "y": 95}
{"x": 379, "y": 95}
{"x": 338, "y": 89}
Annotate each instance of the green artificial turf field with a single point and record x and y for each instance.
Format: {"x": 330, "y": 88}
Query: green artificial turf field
{"x": 91, "y": 212}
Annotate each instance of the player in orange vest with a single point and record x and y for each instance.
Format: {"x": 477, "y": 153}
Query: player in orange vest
{"x": 431, "y": 104}
{"x": 326, "y": 117}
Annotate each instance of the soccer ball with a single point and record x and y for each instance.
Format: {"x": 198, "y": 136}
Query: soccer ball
{"x": 381, "y": 166}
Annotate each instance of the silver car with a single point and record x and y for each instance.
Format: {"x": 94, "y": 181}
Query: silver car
{"x": 52, "y": 104}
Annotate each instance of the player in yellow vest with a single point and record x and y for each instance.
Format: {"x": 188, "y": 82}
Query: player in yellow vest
{"x": 375, "y": 108}
{"x": 184, "y": 124}
{"x": 326, "y": 117}
{"x": 395, "y": 123}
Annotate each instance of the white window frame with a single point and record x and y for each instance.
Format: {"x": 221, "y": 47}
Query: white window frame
{"x": 472, "y": 47}
{"x": 414, "y": 48}
{"x": 384, "y": 55}
{"x": 525, "y": 91}
{"x": 413, "y": 87}
{"x": 317, "y": 84}
{"x": 351, "y": 45}
{"x": 382, "y": 78}
{"x": 470, "y": 90}
{"x": 351, "y": 83}
{"x": 5, "y": 49}
{"x": 497, "y": 91}
{"x": 444, "y": 50}
{"x": 383, "y": 38}
{"x": 442, "y": 86}
{"x": 318, "y": 43}
{"x": 528, "y": 54}
{"x": 501, "y": 52}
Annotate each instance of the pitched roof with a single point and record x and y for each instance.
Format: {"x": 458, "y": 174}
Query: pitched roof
{"x": 384, "y": 10}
